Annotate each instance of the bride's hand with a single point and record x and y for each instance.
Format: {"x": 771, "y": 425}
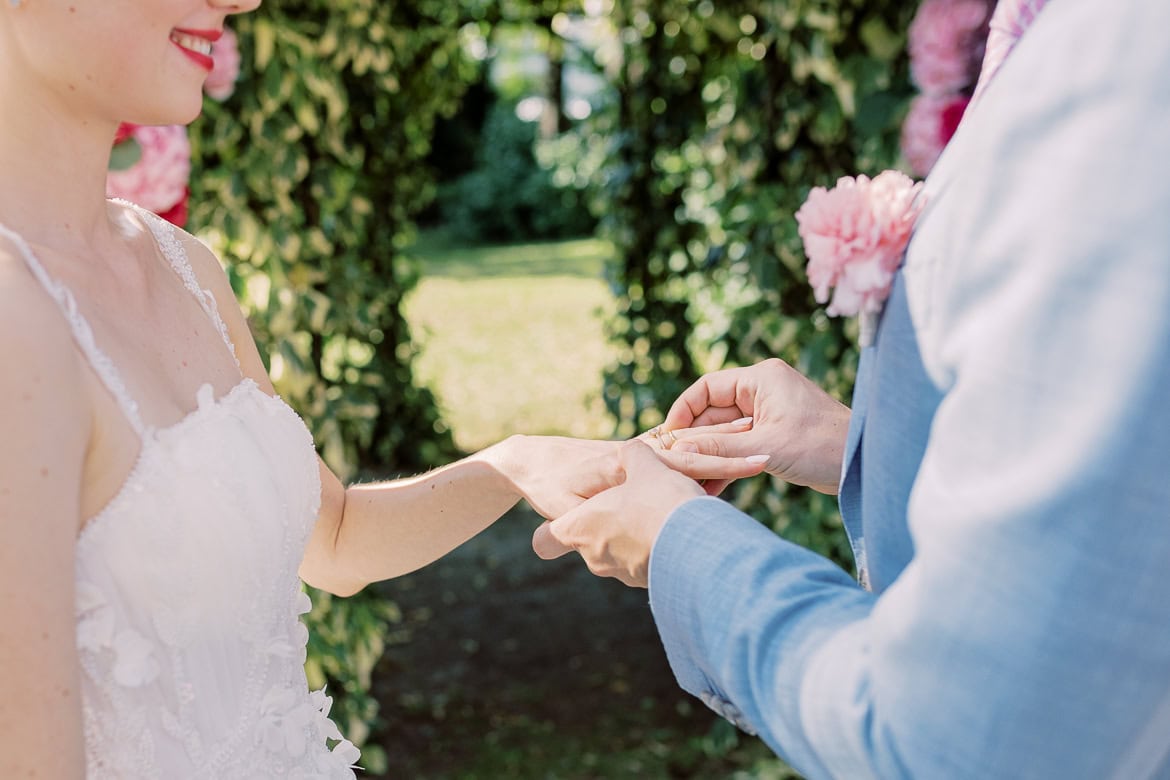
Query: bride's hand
{"x": 555, "y": 474}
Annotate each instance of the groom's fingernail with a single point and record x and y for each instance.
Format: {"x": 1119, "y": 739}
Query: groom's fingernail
{"x": 754, "y": 459}
{"x": 743, "y": 421}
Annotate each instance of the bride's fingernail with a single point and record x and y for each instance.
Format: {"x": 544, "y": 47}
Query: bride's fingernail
{"x": 743, "y": 421}
{"x": 754, "y": 459}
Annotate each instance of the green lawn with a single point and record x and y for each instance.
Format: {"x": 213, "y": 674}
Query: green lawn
{"x": 511, "y": 667}
{"x": 513, "y": 337}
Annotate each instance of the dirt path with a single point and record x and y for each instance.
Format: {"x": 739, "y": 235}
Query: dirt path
{"x": 509, "y": 666}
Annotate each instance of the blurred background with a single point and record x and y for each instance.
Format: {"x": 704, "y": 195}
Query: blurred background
{"x": 452, "y": 220}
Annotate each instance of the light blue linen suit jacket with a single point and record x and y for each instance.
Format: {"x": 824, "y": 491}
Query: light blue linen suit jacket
{"x": 1007, "y": 484}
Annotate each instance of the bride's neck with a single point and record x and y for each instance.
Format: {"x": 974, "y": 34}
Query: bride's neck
{"x": 53, "y": 186}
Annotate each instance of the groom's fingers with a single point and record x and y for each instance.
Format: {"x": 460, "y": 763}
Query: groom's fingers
{"x": 598, "y": 474}
{"x": 664, "y": 437}
{"x": 551, "y": 539}
{"x": 683, "y": 417}
{"x": 671, "y": 436}
{"x": 562, "y": 493}
{"x": 714, "y": 487}
{"x": 546, "y": 544}
{"x": 733, "y": 440}
{"x": 717, "y": 397}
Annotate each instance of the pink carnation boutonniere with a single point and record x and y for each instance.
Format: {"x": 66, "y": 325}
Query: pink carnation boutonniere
{"x": 855, "y": 235}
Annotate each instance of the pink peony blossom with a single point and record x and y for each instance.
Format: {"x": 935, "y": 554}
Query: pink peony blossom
{"x": 952, "y": 114}
{"x": 125, "y": 130}
{"x": 946, "y": 41}
{"x": 177, "y": 214}
{"x": 854, "y": 236}
{"x": 928, "y": 128}
{"x": 221, "y": 82}
{"x": 158, "y": 181}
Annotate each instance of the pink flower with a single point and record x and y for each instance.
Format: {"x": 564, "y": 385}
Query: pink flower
{"x": 177, "y": 214}
{"x": 125, "y": 130}
{"x": 221, "y": 82}
{"x": 854, "y": 237}
{"x": 952, "y": 114}
{"x": 928, "y": 127}
{"x": 946, "y": 41}
{"x": 158, "y": 180}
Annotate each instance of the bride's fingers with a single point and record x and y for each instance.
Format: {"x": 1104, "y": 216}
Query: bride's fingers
{"x": 738, "y": 425}
{"x": 662, "y": 437}
{"x": 697, "y": 465}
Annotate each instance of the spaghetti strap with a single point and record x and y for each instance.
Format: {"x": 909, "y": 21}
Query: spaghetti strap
{"x": 82, "y": 333}
{"x": 166, "y": 237}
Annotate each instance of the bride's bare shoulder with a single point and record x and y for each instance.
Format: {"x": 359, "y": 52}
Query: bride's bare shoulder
{"x": 208, "y": 268}
{"x": 39, "y": 362}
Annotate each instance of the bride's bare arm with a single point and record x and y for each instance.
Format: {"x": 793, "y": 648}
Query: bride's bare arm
{"x": 371, "y": 532}
{"x": 366, "y": 533}
{"x": 46, "y": 424}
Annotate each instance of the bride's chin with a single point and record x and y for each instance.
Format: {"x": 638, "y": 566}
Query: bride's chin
{"x": 187, "y": 114}
{"x": 162, "y": 119}
{"x": 172, "y": 113}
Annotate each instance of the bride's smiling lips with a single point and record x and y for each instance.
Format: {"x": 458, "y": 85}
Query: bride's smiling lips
{"x": 196, "y": 44}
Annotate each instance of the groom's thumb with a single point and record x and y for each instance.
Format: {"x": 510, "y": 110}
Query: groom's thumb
{"x": 545, "y": 543}
{"x": 637, "y": 458}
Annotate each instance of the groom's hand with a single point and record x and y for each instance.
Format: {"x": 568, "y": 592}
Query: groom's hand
{"x": 797, "y": 425}
{"x": 615, "y": 530}
{"x": 555, "y": 474}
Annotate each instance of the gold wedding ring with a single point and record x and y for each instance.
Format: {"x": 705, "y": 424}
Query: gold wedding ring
{"x": 661, "y": 435}
{"x": 656, "y": 432}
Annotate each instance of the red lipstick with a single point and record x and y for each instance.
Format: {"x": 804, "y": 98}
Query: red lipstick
{"x": 193, "y": 43}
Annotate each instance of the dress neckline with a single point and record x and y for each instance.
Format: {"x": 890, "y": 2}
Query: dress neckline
{"x": 167, "y": 245}
{"x": 150, "y": 440}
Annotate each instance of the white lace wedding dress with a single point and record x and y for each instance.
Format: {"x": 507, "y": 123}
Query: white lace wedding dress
{"x": 188, "y": 600}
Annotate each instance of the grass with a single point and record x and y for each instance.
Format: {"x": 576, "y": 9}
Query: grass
{"x": 513, "y": 337}
{"x": 514, "y": 667}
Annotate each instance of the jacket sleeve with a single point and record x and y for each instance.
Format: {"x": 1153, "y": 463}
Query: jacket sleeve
{"x": 1029, "y": 636}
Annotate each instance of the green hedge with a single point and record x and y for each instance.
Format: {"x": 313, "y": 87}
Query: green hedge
{"x": 508, "y": 196}
{"x": 307, "y": 183}
{"x": 728, "y": 113}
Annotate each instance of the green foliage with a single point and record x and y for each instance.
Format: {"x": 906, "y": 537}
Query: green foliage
{"x": 307, "y": 181}
{"x": 509, "y": 196}
{"x": 309, "y": 178}
{"x": 346, "y": 640}
{"x": 727, "y": 114}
